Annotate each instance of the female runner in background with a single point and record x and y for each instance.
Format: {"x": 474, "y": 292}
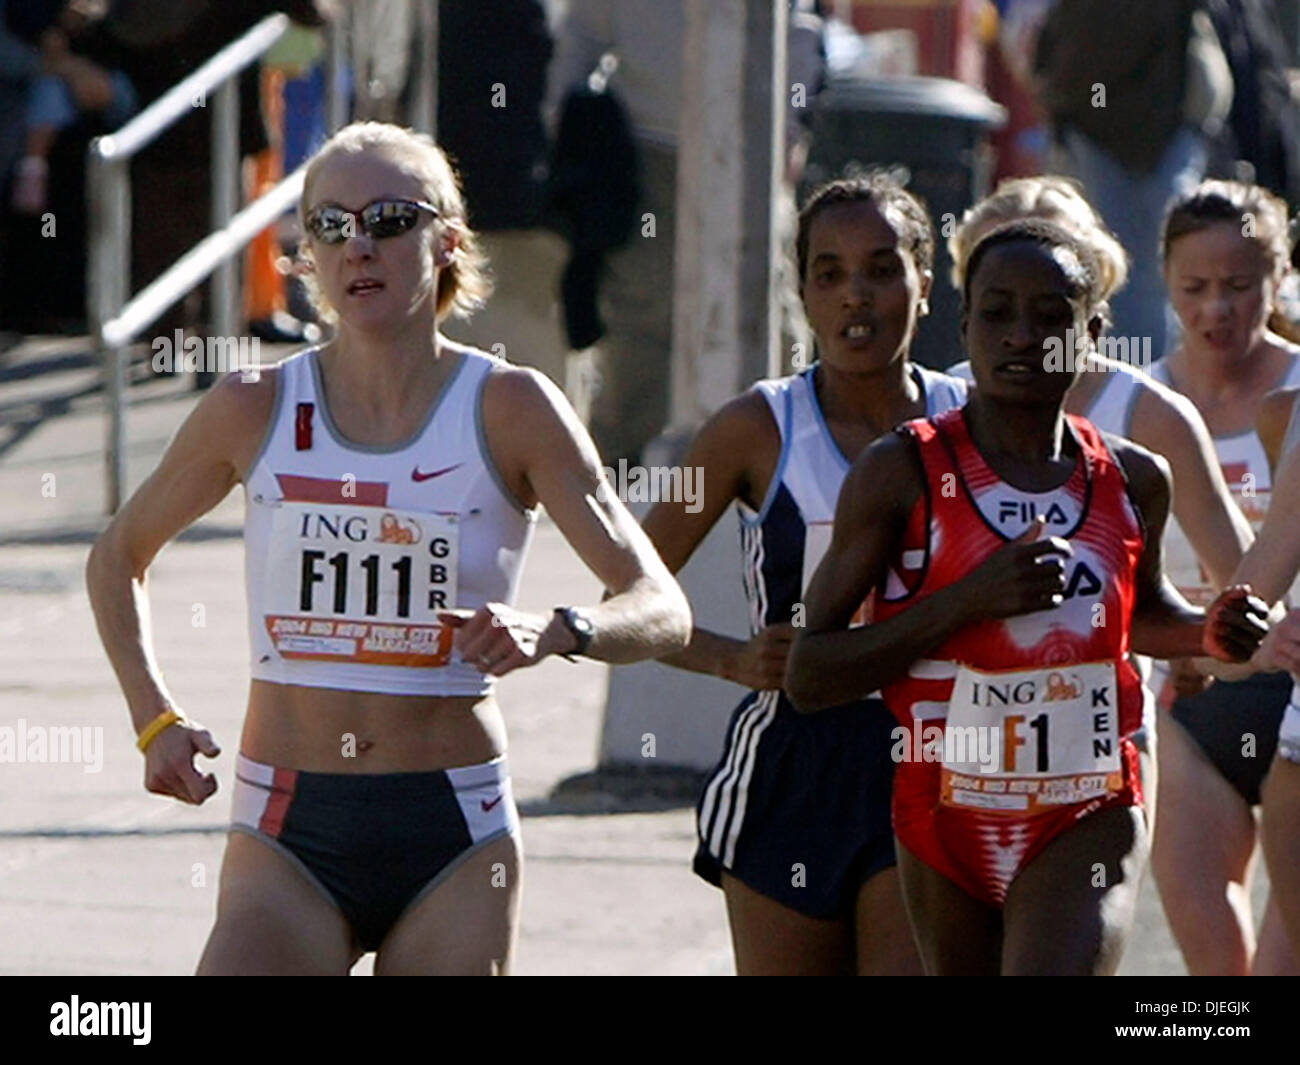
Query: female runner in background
{"x": 794, "y": 821}
{"x": 1225, "y": 253}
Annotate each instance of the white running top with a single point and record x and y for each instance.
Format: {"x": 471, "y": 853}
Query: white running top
{"x": 1245, "y": 468}
{"x": 351, "y": 549}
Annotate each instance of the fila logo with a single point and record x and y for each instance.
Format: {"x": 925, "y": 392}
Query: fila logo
{"x": 417, "y": 476}
{"x": 1082, "y": 582}
{"x": 1026, "y": 511}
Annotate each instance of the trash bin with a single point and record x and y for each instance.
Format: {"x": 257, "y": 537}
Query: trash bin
{"x": 935, "y": 129}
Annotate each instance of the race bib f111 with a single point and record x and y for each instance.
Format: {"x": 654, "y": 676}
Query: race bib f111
{"x": 361, "y": 584}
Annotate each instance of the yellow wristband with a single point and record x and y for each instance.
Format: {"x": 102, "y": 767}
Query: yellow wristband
{"x": 151, "y": 730}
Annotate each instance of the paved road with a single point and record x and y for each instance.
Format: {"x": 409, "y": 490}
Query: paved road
{"x": 98, "y": 877}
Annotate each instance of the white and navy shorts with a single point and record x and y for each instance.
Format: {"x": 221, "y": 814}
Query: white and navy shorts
{"x": 374, "y": 844}
{"x": 1288, "y": 737}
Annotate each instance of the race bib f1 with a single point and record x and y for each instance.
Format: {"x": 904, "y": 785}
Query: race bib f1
{"x": 361, "y": 584}
{"x": 1032, "y": 739}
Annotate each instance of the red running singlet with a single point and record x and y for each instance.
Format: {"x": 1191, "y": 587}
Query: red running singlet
{"x": 1018, "y": 727}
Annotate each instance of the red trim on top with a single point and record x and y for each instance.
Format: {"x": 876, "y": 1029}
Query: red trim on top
{"x": 302, "y": 427}
{"x": 298, "y": 489}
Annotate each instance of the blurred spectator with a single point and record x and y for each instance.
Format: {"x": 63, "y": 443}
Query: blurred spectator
{"x": 52, "y": 102}
{"x": 646, "y": 37}
{"x": 20, "y": 65}
{"x": 492, "y": 61}
{"x": 69, "y": 84}
{"x": 1132, "y": 112}
{"x": 381, "y": 53}
{"x": 1263, "y": 127}
{"x": 1021, "y": 145}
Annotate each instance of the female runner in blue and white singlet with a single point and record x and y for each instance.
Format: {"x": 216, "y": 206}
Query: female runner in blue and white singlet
{"x": 794, "y": 821}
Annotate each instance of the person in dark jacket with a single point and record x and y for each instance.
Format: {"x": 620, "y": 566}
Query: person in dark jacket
{"x": 1128, "y": 128}
{"x": 492, "y": 62}
{"x": 171, "y": 179}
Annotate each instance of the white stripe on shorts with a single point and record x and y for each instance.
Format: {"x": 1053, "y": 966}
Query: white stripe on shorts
{"x": 252, "y": 791}
{"x": 722, "y": 841}
{"x": 1288, "y": 736}
{"x": 742, "y": 790}
{"x": 712, "y": 793}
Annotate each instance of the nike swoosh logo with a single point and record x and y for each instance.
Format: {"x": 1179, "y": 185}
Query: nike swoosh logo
{"x": 488, "y": 805}
{"x": 416, "y": 475}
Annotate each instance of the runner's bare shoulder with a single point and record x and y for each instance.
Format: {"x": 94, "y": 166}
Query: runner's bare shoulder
{"x": 885, "y": 481}
{"x": 234, "y": 417}
{"x": 1150, "y": 479}
{"x": 1274, "y": 416}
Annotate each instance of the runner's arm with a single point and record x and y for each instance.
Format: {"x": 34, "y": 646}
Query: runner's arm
{"x": 727, "y": 457}
{"x": 549, "y": 457}
{"x": 1164, "y": 624}
{"x": 831, "y": 664}
{"x": 1216, "y": 528}
{"x": 1272, "y": 422}
{"x": 1270, "y": 565}
{"x": 201, "y": 465}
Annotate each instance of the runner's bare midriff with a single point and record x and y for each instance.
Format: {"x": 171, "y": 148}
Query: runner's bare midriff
{"x": 297, "y": 727}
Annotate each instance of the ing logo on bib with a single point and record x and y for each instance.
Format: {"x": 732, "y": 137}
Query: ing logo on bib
{"x": 1059, "y": 686}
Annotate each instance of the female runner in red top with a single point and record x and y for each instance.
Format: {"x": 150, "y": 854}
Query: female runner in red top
{"x": 1013, "y": 556}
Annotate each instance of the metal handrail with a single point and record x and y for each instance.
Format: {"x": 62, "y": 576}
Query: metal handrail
{"x": 179, "y": 100}
{"x": 190, "y": 269}
{"x": 115, "y": 317}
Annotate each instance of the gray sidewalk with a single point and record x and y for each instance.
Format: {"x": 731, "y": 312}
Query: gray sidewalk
{"x": 98, "y": 877}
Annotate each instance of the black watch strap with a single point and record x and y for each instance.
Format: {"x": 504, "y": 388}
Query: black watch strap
{"x": 578, "y": 625}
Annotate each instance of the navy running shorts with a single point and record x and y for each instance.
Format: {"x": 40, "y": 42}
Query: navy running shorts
{"x": 374, "y": 844}
{"x": 799, "y": 806}
{"x": 1236, "y": 724}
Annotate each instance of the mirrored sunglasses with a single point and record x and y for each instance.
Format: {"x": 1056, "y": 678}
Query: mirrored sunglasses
{"x": 331, "y": 224}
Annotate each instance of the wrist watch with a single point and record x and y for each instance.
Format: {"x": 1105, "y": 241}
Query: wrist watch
{"x": 579, "y": 626}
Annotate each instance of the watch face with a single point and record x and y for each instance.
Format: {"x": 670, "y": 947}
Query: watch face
{"x": 578, "y": 625}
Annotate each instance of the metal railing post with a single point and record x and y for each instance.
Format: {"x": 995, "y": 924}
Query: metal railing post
{"x": 225, "y": 201}
{"x": 336, "y": 101}
{"x": 116, "y": 318}
{"x": 424, "y": 100}
{"x": 109, "y": 281}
